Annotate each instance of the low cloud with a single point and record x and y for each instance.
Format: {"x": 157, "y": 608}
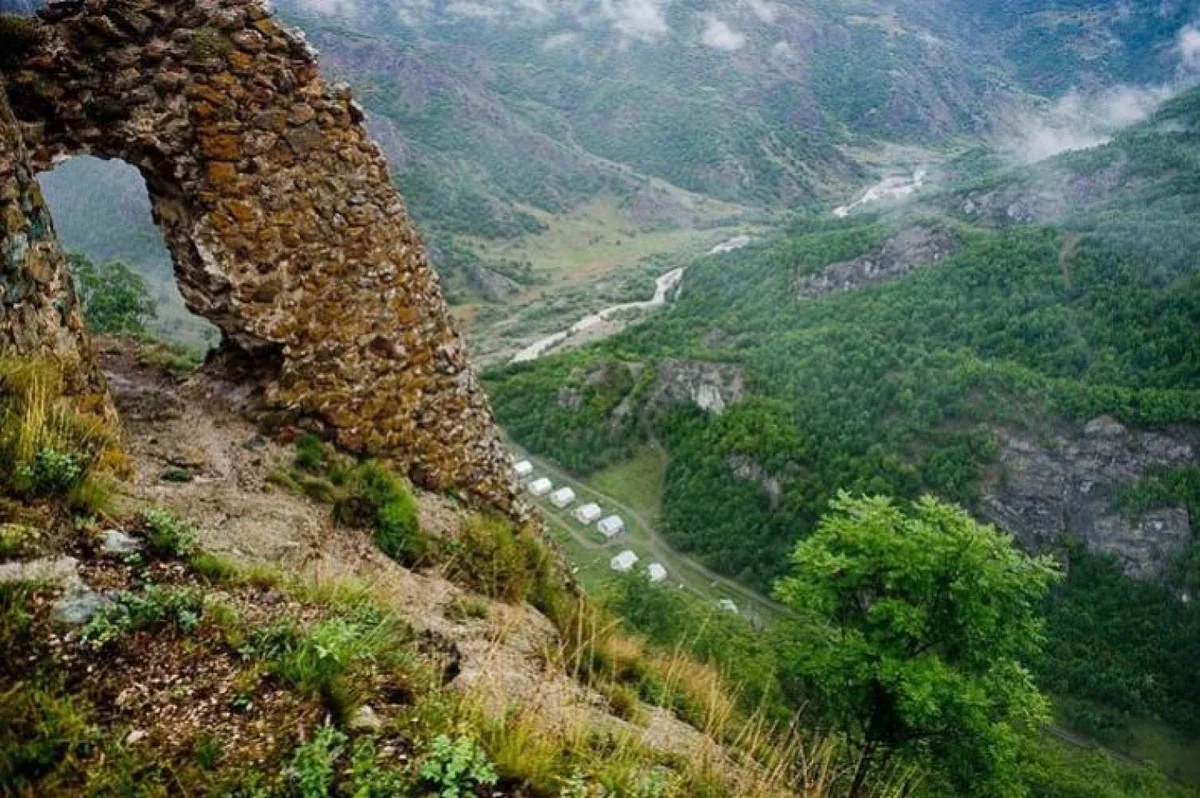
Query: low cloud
{"x": 764, "y": 10}
{"x": 1082, "y": 120}
{"x": 560, "y": 41}
{"x": 720, "y": 36}
{"x": 1188, "y": 45}
{"x": 636, "y": 20}
{"x": 1079, "y": 121}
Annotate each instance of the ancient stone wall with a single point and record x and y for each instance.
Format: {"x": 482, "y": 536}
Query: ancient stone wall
{"x": 39, "y": 312}
{"x": 280, "y": 215}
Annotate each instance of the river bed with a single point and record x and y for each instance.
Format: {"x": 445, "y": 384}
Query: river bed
{"x": 591, "y": 325}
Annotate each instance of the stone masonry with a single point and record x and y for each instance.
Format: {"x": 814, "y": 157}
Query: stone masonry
{"x": 39, "y": 312}
{"x": 284, "y": 225}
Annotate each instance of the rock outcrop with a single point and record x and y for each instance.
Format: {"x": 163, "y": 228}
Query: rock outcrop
{"x": 1046, "y": 195}
{"x": 279, "y": 213}
{"x": 710, "y": 386}
{"x": 1041, "y": 493}
{"x": 899, "y": 255}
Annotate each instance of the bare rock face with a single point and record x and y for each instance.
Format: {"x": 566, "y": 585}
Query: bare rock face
{"x": 710, "y": 386}
{"x": 279, "y": 213}
{"x": 1045, "y": 196}
{"x": 1041, "y": 492}
{"x": 901, "y": 254}
{"x": 747, "y": 469}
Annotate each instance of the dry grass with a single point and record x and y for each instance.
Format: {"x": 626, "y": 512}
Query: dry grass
{"x": 44, "y": 431}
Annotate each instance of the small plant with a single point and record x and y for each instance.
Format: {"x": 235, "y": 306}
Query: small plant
{"x": 368, "y": 779}
{"x": 16, "y": 539}
{"x": 209, "y": 42}
{"x": 168, "y": 536}
{"x": 176, "y": 475}
{"x": 52, "y": 473}
{"x": 209, "y": 753}
{"x": 574, "y": 786}
{"x": 313, "y": 764}
{"x": 212, "y": 568}
{"x": 456, "y": 767}
{"x": 180, "y": 608}
{"x": 467, "y": 607}
{"x": 376, "y": 499}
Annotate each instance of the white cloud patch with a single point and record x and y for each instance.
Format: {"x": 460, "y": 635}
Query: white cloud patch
{"x": 1079, "y": 121}
{"x": 763, "y": 9}
{"x": 637, "y": 20}
{"x": 472, "y": 10}
{"x": 328, "y": 7}
{"x": 560, "y": 41}
{"x": 1188, "y": 46}
{"x": 718, "y": 35}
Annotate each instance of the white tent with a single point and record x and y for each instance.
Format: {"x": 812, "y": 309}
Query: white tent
{"x": 523, "y": 469}
{"x": 563, "y": 497}
{"x": 728, "y": 605}
{"x": 588, "y": 513}
{"x": 624, "y": 561}
{"x": 656, "y": 572}
{"x": 612, "y": 526}
{"x": 540, "y": 487}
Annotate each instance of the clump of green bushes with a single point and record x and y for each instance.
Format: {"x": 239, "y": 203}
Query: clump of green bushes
{"x": 363, "y": 494}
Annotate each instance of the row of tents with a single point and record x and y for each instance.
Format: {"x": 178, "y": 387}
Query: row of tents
{"x": 587, "y": 514}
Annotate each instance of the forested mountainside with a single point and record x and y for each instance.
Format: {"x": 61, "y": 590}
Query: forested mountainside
{"x": 1024, "y": 343}
{"x": 535, "y": 103}
{"x": 499, "y": 117}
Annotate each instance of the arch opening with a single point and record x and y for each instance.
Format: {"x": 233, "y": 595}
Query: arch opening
{"x": 101, "y": 210}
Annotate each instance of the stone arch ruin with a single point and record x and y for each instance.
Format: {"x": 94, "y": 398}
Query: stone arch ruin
{"x": 282, "y": 220}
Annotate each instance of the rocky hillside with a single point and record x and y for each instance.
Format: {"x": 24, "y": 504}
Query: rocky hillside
{"x": 224, "y": 624}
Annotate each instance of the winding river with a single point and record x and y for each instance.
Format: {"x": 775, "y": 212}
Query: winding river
{"x": 663, "y": 287}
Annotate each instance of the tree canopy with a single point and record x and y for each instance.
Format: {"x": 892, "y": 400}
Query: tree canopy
{"x": 914, "y": 634}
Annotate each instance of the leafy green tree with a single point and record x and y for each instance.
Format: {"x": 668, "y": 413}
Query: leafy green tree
{"x": 115, "y": 298}
{"x": 913, "y": 634}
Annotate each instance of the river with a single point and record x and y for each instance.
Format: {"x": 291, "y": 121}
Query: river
{"x": 888, "y": 188}
{"x": 663, "y": 288}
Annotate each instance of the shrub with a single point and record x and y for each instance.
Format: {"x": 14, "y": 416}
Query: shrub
{"x": 328, "y": 659}
{"x": 314, "y": 762}
{"x": 18, "y": 35}
{"x": 209, "y": 42}
{"x": 154, "y": 607}
{"x": 493, "y": 558}
{"x": 177, "y": 360}
{"x": 311, "y": 453}
{"x": 456, "y": 767}
{"x": 168, "y": 536}
{"x": 376, "y": 499}
{"x": 38, "y": 729}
